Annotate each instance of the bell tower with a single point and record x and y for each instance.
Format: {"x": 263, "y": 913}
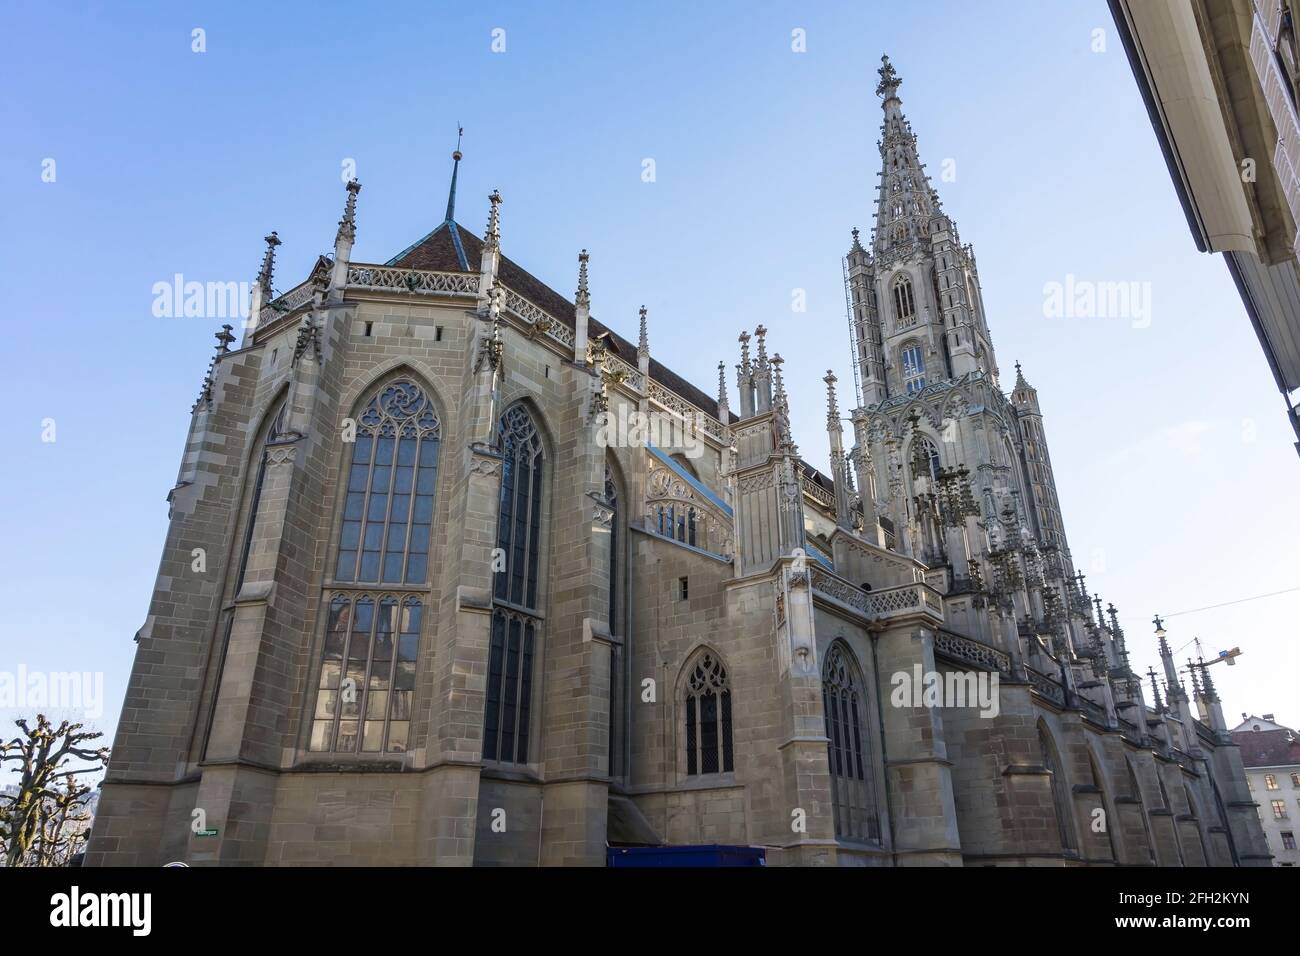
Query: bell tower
{"x": 916, "y": 313}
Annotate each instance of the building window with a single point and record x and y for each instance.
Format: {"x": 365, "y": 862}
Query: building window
{"x": 913, "y": 361}
{"x": 367, "y": 677}
{"x": 853, "y": 793}
{"x": 1279, "y": 810}
{"x": 1295, "y": 781}
{"x": 904, "y": 302}
{"x": 1270, "y": 782}
{"x": 1288, "y": 840}
{"x": 708, "y": 717}
{"x": 388, "y": 508}
{"x": 515, "y": 622}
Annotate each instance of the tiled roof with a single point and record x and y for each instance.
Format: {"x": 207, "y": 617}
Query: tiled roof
{"x": 1268, "y": 748}
{"x": 438, "y": 252}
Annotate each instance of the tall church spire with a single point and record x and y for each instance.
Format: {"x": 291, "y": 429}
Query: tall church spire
{"x": 451, "y": 193}
{"x": 907, "y": 200}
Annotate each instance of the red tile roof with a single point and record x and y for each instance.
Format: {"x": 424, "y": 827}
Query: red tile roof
{"x": 1267, "y": 748}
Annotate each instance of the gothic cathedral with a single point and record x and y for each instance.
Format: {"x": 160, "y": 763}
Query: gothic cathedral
{"x": 488, "y": 584}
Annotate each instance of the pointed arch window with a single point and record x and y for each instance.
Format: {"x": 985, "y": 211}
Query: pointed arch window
{"x": 515, "y": 620}
{"x": 367, "y": 678}
{"x": 853, "y": 792}
{"x": 1060, "y": 792}
{"x": 904, "y": 300}
{"x": 388, "y": 505}
{"x": 912, "y": 360}
{"x": 925, "y": 458}
{"x": 708, "y": 716}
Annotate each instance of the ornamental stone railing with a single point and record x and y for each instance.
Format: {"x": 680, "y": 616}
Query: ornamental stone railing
{"x": 972, "y": 652}
{"x": 386, "y": 278}
{"x": 619, "y": 371}
{"x": 680, "y": 406}
{"x": 883, "y": 605}
{"x": 292, "y": 300}
{"x": 817, "y": 492}
{"x": 1046, "y": 687}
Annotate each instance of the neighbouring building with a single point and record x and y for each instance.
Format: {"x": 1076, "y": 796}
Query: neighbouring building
{"x": 1271, "y": 754}
{"x": 1220, "y": 81}
{"x": 487, "y": 583}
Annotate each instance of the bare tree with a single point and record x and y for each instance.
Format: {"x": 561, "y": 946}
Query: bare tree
{"x": 43, "y": 824}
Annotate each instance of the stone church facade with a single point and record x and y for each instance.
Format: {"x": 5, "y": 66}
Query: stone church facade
{"x": 485, "y": 583}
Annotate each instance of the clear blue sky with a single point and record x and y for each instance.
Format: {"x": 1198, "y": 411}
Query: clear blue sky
{"x": 171, "y": 161}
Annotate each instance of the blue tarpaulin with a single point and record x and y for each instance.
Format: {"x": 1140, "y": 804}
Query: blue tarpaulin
{"x": 709, "y": 855}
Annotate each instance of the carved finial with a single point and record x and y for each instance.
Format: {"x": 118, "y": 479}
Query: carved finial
{"x": 583, "y": 298}
{"x": 597, "y": 349}
{"x": 857, "y": 241}
{"x": 492, "y": 237}
{"x": 224, "y": 338}
{"x": 743, "y": 367}
{"x": 777, "y": 381}
{"x": 722, "y": 383}
{"x": 264, "y": 275}
{"x": 1211, "y": 695}
{"x": 491, "y": 347}
{"x": 643, "y": 345}
{"x": 761, "y": 334}
{"x": 348, "y": 224}
{"x": 1155, "y": 689}
{"x": 1114, "y": 617}
{"x": 832, "y": 405}
{"x": 1101, "y": 618}
{"x": 889, "y": 79}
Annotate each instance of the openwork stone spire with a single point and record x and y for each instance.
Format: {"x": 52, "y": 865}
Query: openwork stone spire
{"x": 643, "y": 344}
{"x": 907, "y": 201}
